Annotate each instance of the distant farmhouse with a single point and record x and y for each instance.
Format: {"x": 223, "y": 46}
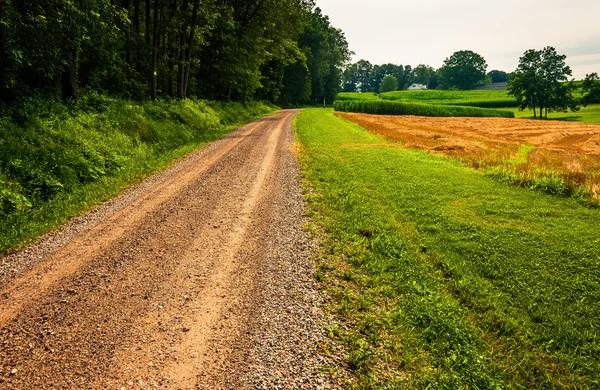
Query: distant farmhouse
{"x": 493, "y": 87}
{"x": 417, "y": 87}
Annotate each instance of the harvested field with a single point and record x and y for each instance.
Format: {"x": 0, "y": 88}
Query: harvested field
{"x": 527, "y": 150}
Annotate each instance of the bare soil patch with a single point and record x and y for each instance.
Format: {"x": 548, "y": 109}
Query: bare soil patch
{"x": 568, "y": 150}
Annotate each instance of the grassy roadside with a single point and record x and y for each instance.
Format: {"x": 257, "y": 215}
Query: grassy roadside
{"x": 445, "y": 278}
{"x": 57, "y": 161}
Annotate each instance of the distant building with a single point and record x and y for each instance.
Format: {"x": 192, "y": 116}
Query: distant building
{"x": 417, "y": 87}
{"x": 493, "y": 87}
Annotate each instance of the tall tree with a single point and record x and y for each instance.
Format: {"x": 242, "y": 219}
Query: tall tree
{"x": 541, "y": 82}
{"x": 422, "y": 74}
{"x": 590, "y": 89}
{"x": 498, "y": 76}
{"x": 388, "y": 84}
{"x": 462, "y": 70}
{"x": 364, "y": 71}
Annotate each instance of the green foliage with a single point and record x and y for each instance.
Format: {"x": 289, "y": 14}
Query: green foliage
{"x": 388, "y": 84}
{"x": 462, "y": 70}
{"x": 56, "y": 161}
{"x": 356, "y": 96}
{"x": 365, "y": 77}
{"x": 384, "y": 107}
{"x": 591, "y": 89}
{"x": 277, "y": 50}
{"x": 445, "y": 278}
{"x": 541, "y": 81}
{"x": 498, "y": 76}
{"x": 589, "y": 114}
{"x": 478, "y": 98}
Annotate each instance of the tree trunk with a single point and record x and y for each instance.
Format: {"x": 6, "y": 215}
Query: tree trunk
{"x": 136, "y": 17}
{"x": 148, "y": 22}
{"x": 534, "y": 113}
{"x": 155, "y": 42}
{"x": 182, "y": 51}
{"x": 69, "y": 77}
{"x": 188, "y": 54}
{"x": 3, "y": 91}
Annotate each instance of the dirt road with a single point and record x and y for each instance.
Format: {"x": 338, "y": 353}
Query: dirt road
{"x": 198, "y": 278}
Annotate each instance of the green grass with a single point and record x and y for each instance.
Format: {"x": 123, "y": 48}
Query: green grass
{"x": 446, "y": 278}
{"x": 357, "y": 96}
{"x": 384, "y": 107}
{"x": 57, "y": 161}
{"x": 484, "y": 99}
{"x": 589, "y": 114}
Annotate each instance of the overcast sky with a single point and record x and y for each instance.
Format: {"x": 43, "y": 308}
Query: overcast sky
{"x": 417, "y": 31}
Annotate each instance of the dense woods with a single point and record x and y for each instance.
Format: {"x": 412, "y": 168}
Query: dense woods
{"x": 285, "y": 51}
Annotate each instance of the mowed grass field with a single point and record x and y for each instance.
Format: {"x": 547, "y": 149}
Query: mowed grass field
{"x": 589, "y": 114}
{"x": 557, "y": 157}
{"x": 444, "y": 278}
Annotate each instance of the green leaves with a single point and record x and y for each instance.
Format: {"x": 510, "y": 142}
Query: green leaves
{"x": 462, "y": 70}
{"x": 384, "y": 107}
{"x": 541, "y": 81}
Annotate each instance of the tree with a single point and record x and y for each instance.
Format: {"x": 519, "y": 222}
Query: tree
{"x": 364, "y": 70}
{"x": 389, "y": 83}
{"x": 422, "y": 74}
{"x": 498, "y": 76}
{"x": 462, "y": 70}
{"x": 541, "y": 81}
{"x": 350, "y": 77}
{"x": 591, "y": 89}
{"x": 226, "y": 49}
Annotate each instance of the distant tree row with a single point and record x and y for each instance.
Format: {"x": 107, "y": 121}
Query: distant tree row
{"x": 463, "y": 70}
{"x": 282, "y": 50}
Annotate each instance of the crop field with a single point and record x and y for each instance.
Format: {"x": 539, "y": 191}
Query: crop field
{"x": 443, "y": 277}
{"x": 385, "y": 107}
{"x": 485, "y": 99}
{"x": 357, "y": 96}
{"x": 554, "y": 156}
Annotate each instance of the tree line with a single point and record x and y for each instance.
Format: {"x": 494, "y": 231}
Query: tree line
{"x": 285, "y": 51}
{"x": 463, "y": 70}
{"x": 540, "y": 82}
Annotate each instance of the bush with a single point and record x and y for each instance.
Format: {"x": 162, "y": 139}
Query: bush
{"x": 57, "y": 159}
{"x": 400, "y": 108}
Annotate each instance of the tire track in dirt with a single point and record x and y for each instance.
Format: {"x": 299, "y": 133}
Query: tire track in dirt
{"x": 160, "y": 294}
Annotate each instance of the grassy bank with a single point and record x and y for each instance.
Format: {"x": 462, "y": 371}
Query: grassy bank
{"x": 57, "y": 160}
{"x": 445, "y": 278}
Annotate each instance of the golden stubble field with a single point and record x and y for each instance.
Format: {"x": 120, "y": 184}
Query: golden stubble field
{"x": 568, "y": 151}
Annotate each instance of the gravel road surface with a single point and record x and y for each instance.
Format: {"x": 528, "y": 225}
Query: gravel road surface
{"x": 198, "y": 278}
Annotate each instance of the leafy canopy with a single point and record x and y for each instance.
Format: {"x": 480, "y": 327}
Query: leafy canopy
{"x": 541, "y": 82}
{"x": 388, "y": 84}
{"x": 462, "y": 70}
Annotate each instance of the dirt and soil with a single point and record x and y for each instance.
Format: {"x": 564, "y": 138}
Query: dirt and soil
{"x": 200, "y": 277}
{"x": 445, "y": 133}
{"x": 531, "y": 148}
